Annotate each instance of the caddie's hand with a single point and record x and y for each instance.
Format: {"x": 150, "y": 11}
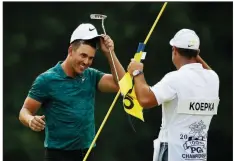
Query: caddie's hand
{"x": 135, "y": 66}
{"x": 106, "y": 43}
{"x": 37, "y": 123}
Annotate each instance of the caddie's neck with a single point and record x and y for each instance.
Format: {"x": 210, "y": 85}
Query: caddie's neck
{"x": 67, "y": 68}
{"x": 183, "y": 61}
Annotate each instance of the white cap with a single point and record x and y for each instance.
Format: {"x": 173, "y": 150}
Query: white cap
{"x": 186, "y": 39}
{"x": 84, "y": 31}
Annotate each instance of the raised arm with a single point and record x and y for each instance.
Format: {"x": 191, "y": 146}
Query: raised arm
{"x": 200, "y": 60}
{"x": 109, "y": 82}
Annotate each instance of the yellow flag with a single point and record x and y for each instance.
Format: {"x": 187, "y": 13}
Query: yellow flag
{"x": 132, "y": 106}
{"x": 125, "y": 84}
{"x": 130, "y": 102}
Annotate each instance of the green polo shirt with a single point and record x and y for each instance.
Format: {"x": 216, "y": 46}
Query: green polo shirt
{"x": 68, "y": 105}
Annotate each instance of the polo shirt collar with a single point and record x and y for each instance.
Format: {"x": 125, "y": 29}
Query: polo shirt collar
{"x": 62, "y": 73}
{"x": 191, "y": 66}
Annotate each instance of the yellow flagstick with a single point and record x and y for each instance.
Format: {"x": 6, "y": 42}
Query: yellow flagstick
{"x": 102, "y": 125}
{"x": 117, "y": 95}
{"x": 130, "y": 102}
{"x": 155, "y": 22}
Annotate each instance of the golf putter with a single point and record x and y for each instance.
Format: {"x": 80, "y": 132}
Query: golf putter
{"x": 103, "y": 17}
{"x": 99, "y": 17}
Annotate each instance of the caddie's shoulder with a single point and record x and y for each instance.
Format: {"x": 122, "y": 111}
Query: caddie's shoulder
{"x": 170, "y": 78}
{"x": 171, "y": 75}
{"x": 214, "y": 74}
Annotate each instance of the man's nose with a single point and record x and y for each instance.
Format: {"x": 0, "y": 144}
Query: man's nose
{"x": 86, "y": 61}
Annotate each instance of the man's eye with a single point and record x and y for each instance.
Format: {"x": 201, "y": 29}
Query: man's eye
{"x": 83, "y": 55}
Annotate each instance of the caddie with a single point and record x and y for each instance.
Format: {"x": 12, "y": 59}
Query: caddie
{"x": 189, "y": 97}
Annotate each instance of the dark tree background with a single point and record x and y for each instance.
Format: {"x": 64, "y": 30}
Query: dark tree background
{"x": 36, "y": 36}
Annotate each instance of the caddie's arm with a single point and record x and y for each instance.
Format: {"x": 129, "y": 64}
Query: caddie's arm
{"x": 200, "y": 60}
{"x": 145, "y": 96}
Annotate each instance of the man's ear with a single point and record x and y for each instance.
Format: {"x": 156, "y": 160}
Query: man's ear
{"x": 198, "y": 51}
{"x": 70, "y": 50}
{"x": 175, "y": 51}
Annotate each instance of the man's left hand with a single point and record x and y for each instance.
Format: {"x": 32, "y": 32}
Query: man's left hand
{"x": 106, "y": 43}
{"x": 135, "y": 66}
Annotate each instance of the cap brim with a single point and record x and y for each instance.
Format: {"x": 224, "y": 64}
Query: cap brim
{"x": 86, "y": 38}
{"x": 171, "y": 42}
{"x": 89, "y": 38}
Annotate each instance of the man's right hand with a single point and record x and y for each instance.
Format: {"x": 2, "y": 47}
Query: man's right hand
{"x": 37, "y": 123}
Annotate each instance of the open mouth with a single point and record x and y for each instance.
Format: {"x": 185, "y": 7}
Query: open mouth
{"x": 82, "y": 67}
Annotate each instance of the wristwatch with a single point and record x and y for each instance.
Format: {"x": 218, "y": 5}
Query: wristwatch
{"x": 136, "y": 73}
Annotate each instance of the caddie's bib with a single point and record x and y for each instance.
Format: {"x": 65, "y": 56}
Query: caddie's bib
{"x": 187, "y": 131}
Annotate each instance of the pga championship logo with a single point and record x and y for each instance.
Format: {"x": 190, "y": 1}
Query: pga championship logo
{"x": 195, "y": 142}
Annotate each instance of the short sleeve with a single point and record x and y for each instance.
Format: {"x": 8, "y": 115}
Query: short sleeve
{"x": 39, "y": 89}
{"x": 165, "y": 90}
{"x": 97, "y": 75}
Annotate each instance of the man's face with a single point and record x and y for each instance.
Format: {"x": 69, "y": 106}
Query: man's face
{"x": 82, "y": 58}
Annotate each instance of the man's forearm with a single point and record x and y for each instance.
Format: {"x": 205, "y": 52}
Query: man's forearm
{"x": 200, "y": 60}
{"x": 24, "y": 116}
{"x": 119, "y": 68}
{"x": 141, "y": 89}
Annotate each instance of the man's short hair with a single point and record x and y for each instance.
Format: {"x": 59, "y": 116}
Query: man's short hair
{"x": 188, "y": 53}
{"x": 91, "y": 42}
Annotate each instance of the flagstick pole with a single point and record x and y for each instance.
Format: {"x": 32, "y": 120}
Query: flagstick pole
{"x": 102, "y": 125}
{"x": 117, "y": 95}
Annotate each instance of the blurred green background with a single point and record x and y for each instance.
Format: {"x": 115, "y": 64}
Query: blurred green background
{"x": 36, "y": 36}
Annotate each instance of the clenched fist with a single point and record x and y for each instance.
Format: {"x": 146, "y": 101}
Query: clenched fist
{"x": 37, "y": 123}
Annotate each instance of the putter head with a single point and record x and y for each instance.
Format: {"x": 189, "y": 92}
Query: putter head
{"x": 98, "y": 16}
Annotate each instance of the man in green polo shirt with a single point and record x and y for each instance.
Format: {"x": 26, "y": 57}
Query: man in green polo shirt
{"x": 66, "y": 93}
